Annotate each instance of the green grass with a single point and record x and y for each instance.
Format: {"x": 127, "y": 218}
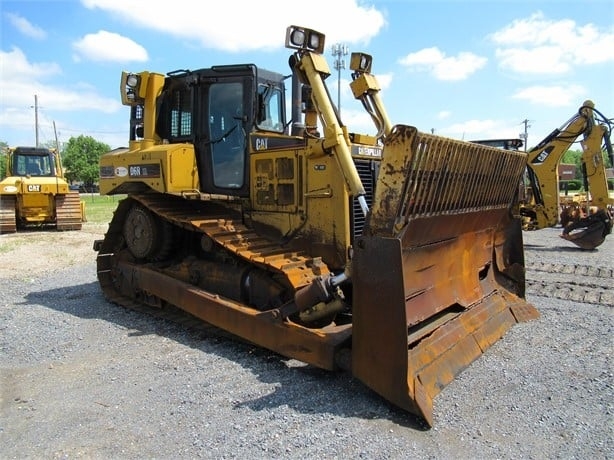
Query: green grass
{"x": 6, "y": 247}
{"x": 99, "y": 209}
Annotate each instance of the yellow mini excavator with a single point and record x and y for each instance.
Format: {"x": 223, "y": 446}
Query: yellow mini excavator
{"x": 396, "y": 256}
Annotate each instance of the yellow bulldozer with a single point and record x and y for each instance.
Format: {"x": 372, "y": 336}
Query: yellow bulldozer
{"x": 35, "y": 194}
{"x": 396, "y": 256}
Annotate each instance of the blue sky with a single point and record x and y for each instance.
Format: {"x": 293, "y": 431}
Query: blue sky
{"x": 465, "y": 69}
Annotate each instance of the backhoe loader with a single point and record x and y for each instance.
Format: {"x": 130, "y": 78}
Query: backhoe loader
{"x": 396, "y": 257}
{"x": 584, "y": 225}
{"x": 35, "y": 194}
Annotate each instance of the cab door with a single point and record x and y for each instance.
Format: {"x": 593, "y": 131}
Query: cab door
{"x": 222, "y": 142}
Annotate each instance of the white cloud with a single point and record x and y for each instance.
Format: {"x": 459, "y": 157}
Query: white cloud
{"x": 26, "y": 27}
{"x": 207, "y": 23}
{"x": 16, "y": 67}
{"x": 472, "y": 130}
{"x": 384, "y": 80}
{"x": 444, "y": 114}
{"x": 110, "y": 47}
{"x": 442, "y": 67}
{"x": 471, "y": 126}
{"x": 538, "y": 45}
{"x": 551, "y": 96}
{"x": 358, "y": 121}
{"x": 426, "y": 56}
{"x": 22, "y": 80}
{"x": 534, "y": 61}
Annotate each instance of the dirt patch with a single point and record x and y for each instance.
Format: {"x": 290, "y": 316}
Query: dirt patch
{"x": 32, "y": 253}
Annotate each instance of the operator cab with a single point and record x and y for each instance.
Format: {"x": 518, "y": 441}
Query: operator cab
{"x": 216, "y": 109}
{"x": 30, "y": 161}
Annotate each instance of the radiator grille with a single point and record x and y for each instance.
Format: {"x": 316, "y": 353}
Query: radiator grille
{"x": 367, "y": 170}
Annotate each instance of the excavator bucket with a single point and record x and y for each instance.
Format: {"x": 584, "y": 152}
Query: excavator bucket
{"x": 589, "y": 232}
{"x": 439, "y": 269}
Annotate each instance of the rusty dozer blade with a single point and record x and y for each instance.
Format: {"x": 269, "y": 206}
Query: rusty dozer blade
{"x": 439, "y": 270}
{"x": 589, "y": 232}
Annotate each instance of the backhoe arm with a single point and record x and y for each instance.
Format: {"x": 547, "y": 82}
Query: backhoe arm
{"x": 542, "y": 167}
{"x": 586, "y": 228}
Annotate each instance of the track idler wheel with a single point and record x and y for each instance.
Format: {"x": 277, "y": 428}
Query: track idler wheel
{"x": 589, "y": 232}
{"x": 147, "y": 236}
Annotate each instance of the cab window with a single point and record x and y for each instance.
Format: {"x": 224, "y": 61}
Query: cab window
{"x": 226, "y": 133}
{"x": 270, "y": 116}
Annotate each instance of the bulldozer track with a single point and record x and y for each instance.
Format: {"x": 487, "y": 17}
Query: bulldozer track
{"x": 8, "y": 222}
{"x": 225, "y": 230}
{"x": 68, "y": 211}
{"x": 167, "y": 312}
{"x": 578, "y": 283}
{"x": 230, "y": 233}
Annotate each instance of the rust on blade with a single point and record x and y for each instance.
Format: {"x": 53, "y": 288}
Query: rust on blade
{"x": 438, "y": 273}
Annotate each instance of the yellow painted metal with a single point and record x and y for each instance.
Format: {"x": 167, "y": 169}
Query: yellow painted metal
{"x": 435, "y": 276}
{"x": 176, "y": 169}
{"x": 543, "y": 207}
{"x": 35, "y": 192}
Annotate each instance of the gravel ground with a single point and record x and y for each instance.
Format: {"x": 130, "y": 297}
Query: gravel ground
{"x": 81, "y": 378}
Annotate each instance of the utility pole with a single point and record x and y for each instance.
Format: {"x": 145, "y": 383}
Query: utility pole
{"x": 57, "y": 150}
{"x": 339, "y": 50}
{"x": 57, "y": 144}
{"x": 36, "y": 117}
{"x": 524, "y": 135}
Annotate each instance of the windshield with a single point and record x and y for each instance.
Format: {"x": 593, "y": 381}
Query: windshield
{"x": 32, "y": 165}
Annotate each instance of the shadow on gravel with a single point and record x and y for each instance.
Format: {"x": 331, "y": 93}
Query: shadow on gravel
{"x": 302, "y": 387}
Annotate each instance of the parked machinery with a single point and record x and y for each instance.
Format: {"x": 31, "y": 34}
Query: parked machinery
{"x": 396, "y": 257}
{"x": 35, "y": 194}
{"x": 585, "y": 224}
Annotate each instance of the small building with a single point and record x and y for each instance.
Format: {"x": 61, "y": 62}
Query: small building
{"x": 567, "y": 171}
